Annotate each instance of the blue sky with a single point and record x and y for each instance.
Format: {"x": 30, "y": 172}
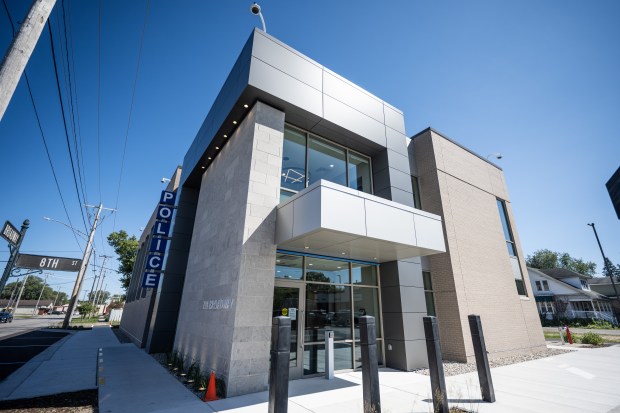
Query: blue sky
{"x": 534, "y": 80}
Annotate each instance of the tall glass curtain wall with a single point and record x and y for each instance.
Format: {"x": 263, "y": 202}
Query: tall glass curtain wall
{"x": 307, "y": 158}
{"x": 337, "y": 294}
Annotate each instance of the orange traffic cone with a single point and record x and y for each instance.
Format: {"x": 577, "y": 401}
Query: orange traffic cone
{"x": 210, "y": 394}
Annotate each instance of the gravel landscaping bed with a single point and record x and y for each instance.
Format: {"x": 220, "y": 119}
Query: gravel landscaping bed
{"x": 452, "y": 369}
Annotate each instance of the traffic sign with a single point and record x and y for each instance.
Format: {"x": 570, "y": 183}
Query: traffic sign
{"x": 10, "y": 233}
{"x": 45, "y": 262}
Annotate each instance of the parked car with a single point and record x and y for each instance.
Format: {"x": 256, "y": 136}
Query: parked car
{"x": 57, "y": 312}
{"x": 6, "y": 317}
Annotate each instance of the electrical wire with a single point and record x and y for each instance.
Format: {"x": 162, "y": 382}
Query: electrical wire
{"x": 133, "y": 96}
{"x": 64, "y": 119}
{"x": 36, "y": 113}
{"x": 99, "y": 101}
{"x": 72, "y": 105}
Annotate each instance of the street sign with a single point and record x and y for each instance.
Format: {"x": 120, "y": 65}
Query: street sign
{"x": 10, "y": 233}
{"x": 48, "y": 263}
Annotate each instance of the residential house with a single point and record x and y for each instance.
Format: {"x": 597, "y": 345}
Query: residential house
{"x": 565, "y": 294}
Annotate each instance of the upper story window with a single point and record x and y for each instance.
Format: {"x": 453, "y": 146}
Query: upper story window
{"x": 542, "y": 285}
{"x": 506, "y": 227}
{"x": 307, "y": 159}
{"x": 584, "y": 285}
{"x": 512, "y": 250}
{"x": 416, "y": 192}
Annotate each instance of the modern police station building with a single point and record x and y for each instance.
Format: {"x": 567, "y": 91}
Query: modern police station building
{"x": 301, "y": 195}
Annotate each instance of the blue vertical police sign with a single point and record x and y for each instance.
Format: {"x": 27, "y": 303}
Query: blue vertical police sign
{"x": 159, "y": 240}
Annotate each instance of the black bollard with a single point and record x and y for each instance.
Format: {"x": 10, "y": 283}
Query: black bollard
{"x": 370, "y": 365}
{"x": 280, "y": 356}
{"x": 435, "y": 365}
{"x": 482, "y": 359}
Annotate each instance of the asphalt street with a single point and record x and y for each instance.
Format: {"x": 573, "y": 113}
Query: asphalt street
{"x": 22, "y": 325}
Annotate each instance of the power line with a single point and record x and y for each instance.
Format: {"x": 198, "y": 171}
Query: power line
{"x": 99, "y": 101}
{"x": 133, "y": 95}
{"x": 36, "y": 113}
{"x": 64, "y": 119}
{"x": 72, "y": 105}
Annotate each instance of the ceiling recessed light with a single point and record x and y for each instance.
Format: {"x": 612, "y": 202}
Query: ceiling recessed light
{"x": 374, "y": 258}
{"x": 278, "y": 260}
{"x": 306, "y": 247}
{"x": 245, "y": 106}
{"x": 339, "y": 267}
{"x": 311, "y": 264}
{"x": 331, "y": 166}
{"x": 217, "y": 148}
{"x": 203, "y": 167}
{"x": 278, "y": 271}
{"x": 209, "y": 158}
{"x": 344, "y": 253}
{"x": 234, "y": 122}
{"x": 226, "y": 136}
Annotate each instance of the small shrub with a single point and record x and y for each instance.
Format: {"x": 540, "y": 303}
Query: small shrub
{"x": 592, "y": 338}
{"x": 600, "y": 324}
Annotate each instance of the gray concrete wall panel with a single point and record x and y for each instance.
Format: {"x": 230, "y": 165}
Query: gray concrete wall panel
{"x": 286, "y": 87}
{"x": 394, "y": 118}
{"x": 352, "y": 96}
{"x": 396, "y": 141}
{"x": 353, "y": 120}
{"x": 232, "y": 256}
{"x": 287, "y": 60}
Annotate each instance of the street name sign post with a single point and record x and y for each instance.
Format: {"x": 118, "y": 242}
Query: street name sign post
{"x": 45, "y": 262}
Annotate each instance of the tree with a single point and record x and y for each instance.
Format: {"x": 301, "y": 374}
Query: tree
{"x": 102, "y": 298}
{"x": 85, "y": 308}
{"x": 613, "y": 269}
{"x": 31, "y": 290}
{"x": 126, "y": 248}
{"x": 543, "y": 259}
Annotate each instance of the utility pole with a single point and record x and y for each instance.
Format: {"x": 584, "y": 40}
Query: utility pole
{"x": 14, "y": 249}
{"x": 23, "y": 45}
{"x": 39, "y": 299}
{"x": 92, "y": 290}
{"x": 85, "y": 261}
{"x": 605, "y": 261}
{"x": 57, "y": 294}
{"x": 98, "y": 292}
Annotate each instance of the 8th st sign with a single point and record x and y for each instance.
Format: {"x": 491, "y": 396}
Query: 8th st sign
{"x": 44, "y": 262}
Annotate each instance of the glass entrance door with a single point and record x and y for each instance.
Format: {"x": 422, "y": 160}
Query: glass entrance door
{"x": 288, "y": 301}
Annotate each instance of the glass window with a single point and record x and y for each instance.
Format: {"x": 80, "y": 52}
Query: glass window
{"x": 416, "y": 192}
{"x": 507, "y": 234}
{"x": 538, "y": 286}
{"x": 293, "y": 175}
{"x": 364, "y": 274}
{"x": 428, "y": 293}
{"x": 545, "y": 285}
{"x": 358, "y": 354}
{"x": 327, "y": 271}
{"x": 359, "y": 172}
{"x": 289, "y": 266}
{"x": 314, "y": 358}
{"x": 328, "y": 307}
{"x": 366, "y": 302}
{"x": 326, "y": 161}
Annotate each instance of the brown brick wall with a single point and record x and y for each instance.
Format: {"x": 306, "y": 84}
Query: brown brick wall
{"x": 474, "y": 276}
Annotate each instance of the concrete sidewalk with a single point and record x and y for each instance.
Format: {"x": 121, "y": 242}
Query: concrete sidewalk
{"x": 131, "y": 381}
{"x": 66, "y": 366}
{"x": 579, "y": 381}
